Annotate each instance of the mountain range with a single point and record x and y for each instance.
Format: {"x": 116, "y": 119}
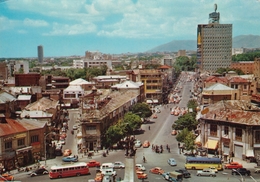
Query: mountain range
{"x": 245, "y": 41}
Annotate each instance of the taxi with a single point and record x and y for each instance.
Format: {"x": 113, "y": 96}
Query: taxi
{"x": 156, "y": 170}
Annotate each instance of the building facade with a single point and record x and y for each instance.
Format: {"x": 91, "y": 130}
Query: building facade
{"x": 214, "y": 44}
{"x": 233, "y": 128}
{"x": 40, "y": 53}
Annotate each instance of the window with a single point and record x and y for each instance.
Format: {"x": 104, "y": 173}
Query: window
{"x": 245, "y": 86}
{"x": 213, "y": 130}
{"x": 34, "y": 138}
{"x": 91, "y": 128}
{"x": 225, "y": 130}
{"x": 21, "y": 142}
{"x": 8, "y": 145}
{"x": 238, "y": 134}
{"x": 257, "y": 137}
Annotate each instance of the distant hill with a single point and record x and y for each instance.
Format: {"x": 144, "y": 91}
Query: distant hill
{"x": 246, "y": 41}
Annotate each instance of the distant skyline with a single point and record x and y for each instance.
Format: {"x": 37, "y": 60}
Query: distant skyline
{"x": 71, "y": 27}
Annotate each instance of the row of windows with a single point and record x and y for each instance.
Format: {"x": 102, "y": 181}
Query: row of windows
{"x": 9, "y": 144}
{"x": 214, "y": 129}
{"x": 69, "y": 169}
{"x": 153, "y": 88}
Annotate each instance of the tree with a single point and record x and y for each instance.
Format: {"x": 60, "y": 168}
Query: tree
{"x": 186, "y": 121}
{"x": 187, "y": 137}
{"x": 193, "y": 105}
{"x": 142, "y": 110}
{"x": 182, "y": 135}
{"x": 189, "y": 141}
{"x": 132, "y": 122}
{"x": 114, "y": 133}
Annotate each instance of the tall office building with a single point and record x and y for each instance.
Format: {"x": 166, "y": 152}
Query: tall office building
{"x": 40, "y": 53}
{"x": 214, "y": 44}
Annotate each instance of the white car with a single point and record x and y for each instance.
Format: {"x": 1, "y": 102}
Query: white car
{"x": 138, "y": 143}
{"x": 75, "y": 127}
{"x": 206, "y": 172}
{"x": 108, "y": 172}
{"x": 139, "y": 167}
{"x": 119, "y": 165}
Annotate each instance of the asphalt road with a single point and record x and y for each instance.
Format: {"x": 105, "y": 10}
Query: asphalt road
{"x": 159, "y": 134}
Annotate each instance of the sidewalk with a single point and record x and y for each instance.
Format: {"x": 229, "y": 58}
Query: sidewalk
{"x": 58, "y": 161}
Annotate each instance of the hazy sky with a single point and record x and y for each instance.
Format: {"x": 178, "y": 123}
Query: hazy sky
{"x": 71, "y": 27}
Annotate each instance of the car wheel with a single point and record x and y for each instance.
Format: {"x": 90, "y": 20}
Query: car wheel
{"x": 198, "y": 175}
{"x": 193, "y": 168}
{"x": 78, "y": 174}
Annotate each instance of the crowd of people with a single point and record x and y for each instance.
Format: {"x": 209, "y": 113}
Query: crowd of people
{"x": 159, "y": 148}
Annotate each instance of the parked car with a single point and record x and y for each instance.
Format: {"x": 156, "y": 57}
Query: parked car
{"x": 184, "y": 172}
{"x": 141, "y": 175}
{"x": 154, "y": 116}
{"x": 156, "y": 170}
{"x": 6, "y": 177}
{"x": 146, "y": 144}
{"x": 75, "y": 127}
{"x": 140, "y": 167}
{"x": 93, "y": 163}
{"x": 174, "y": 132}
{"x": 119, "y": 165}
{"x": 62, "y": 141}
{"x": 172, "y": 162}
{"x": 206, "y": 172}
{"x": 40, "y": 171}
{"x": 233, "y": 165}
{"x": 70, "y": 159}
{"x": 138, "y": 143}
{"x": 241, "y": 171}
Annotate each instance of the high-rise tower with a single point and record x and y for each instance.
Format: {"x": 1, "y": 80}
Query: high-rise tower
{"x": 214, "y": 44}
{"x": 40, "y": 53}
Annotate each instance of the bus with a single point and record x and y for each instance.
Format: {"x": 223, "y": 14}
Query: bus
{"x": 68, "y": 170}
{"x": 203, "y": 162}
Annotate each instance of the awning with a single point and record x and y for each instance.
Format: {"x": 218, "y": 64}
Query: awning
{"x": 250, "y": 153}
{"x": 149, "y": 101}
{"x": 24, "y": 149}
{"x": 211, "y": 144}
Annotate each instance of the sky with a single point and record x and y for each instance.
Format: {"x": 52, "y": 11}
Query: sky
{"x": 71, "y": 27}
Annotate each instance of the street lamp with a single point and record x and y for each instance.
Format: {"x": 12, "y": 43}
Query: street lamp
{"x": 45, "y": 152}
{"x": 242, "y": 179}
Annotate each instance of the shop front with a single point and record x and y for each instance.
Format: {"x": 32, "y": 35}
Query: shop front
{"x": 24, "y": 156}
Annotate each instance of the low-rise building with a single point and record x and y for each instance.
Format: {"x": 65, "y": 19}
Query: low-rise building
{"x": 231, "y": 128}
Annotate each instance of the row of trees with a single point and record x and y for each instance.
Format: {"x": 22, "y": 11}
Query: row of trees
{"x": 73, "y": 73}
{"x": 187, "y": 124}
{"x": 127, "y": 126}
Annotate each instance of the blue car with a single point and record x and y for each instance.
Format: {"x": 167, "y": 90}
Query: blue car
{"x": 70, "y": 159}
{"x": 172, "y": 162}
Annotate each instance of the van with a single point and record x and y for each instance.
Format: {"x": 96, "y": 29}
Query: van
{"x": 108, "y": 172}
{"x": 107, "y": 166}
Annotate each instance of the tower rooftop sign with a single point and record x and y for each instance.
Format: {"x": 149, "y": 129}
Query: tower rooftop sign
{"x": 214, "y": 16}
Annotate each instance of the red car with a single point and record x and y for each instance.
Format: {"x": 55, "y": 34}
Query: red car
{"x": 233, "y": 165}
{"x": 156, "y": 170}
{"x": 93, "y": 163}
